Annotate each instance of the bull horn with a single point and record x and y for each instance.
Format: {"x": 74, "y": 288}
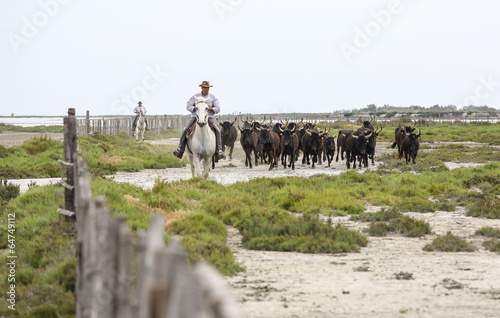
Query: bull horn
{"x": 371, "y": 119}
{"x": 315, "y": 122}
{"x": 354, "y": 136}
{"x": 378, "y": 132}
{"x": 412, "y": 127}
{"x": 240, "y": 128}
{"x": 360, "y": 120}
{"x": 234, "y": 121}
{"x": 367, "y": 137}
{"x": 307, "y": 132}
{"x": 282, "y": 130}
{"x": 258, "y": 128}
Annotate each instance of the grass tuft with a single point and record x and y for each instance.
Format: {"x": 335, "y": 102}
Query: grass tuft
{"x": 492, "y": 245}
{"x": 392, "y": 220}
{"x": 449, "y": 243}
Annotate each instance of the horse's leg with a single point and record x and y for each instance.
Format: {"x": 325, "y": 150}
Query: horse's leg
{"x": 197, "y": 166}
{"x": 206, "y": 168}
{"x": 191, "y": 163}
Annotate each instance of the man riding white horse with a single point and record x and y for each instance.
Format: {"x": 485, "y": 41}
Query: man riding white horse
{"x": 137, "y": 111}
{"x": 213, "y": 108}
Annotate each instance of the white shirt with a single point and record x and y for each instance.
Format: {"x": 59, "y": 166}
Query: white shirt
{"x": 137, "y": 109}
{"x": 212, "y": 101}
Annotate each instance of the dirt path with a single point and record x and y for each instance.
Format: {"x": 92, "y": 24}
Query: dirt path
{"x": 11, "y": 138}
{"x": 391, "y": 277}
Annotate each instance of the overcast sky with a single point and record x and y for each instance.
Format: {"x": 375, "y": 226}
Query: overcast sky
{"x": 261, "y": 56}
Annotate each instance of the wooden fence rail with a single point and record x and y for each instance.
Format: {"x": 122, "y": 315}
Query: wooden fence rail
{"x": 109, "y": 281}
{"x": 114, "y": 125}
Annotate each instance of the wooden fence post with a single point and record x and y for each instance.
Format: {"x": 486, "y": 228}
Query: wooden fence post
{"x": 87, "y": 122}
{"x": 145, "y": 277}
{"x": 123, "y": 269}
{"x": 70, "y": 147}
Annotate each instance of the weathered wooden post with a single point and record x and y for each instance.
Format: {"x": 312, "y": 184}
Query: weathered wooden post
{"x": 87, "y": 122}
{"x": 70, "y": 147}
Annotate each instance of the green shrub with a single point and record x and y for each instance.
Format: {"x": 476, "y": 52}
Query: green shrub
{"x": 44, "y": 311}
{"x": 449, "y": 243}
{"x": 392, "y": 220}
{"x": 488, "y": 232}
{"x": 379, "y": 229}
{"x": 492, "y": 245}
{"x": 3, "y": 152}
{"x": 38, "y": 145}
{"x": 482, "y": 205}
{"x": 8, "y": 191}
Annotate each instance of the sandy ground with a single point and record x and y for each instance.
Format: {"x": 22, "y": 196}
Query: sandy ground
{"x": 391, "y": 277}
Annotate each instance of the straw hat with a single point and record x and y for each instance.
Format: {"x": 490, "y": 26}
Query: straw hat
{"x": 205, "y": 84}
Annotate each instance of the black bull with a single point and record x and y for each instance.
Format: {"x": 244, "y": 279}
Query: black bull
{"x": 289, "y": 146}
{"x": 328, "y": 146}
{"x": 270, "y": 145}
{"x": 228, "y": 136}
{"x": 248, "y": 141}
{"x": 311, "y": 143}
{"x": 410, "y": 146}
{"x": 356, "y": 143}
{"x": 400, "y": 134}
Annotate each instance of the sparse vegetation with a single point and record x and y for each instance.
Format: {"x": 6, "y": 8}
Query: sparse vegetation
{"x": 8, "y": 191}
{"x": 488, "y": 231}
{"x": 449, "y": 243}
{"x": 392, "y": 220}
{"x": 493, "y": 244}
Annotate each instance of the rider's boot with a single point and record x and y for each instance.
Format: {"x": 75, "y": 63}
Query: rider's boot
{"x": 182, "y": 145}
{"x": 219, "y": 154}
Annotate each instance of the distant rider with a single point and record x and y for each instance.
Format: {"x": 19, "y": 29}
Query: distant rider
{"x": 137, "y": 111}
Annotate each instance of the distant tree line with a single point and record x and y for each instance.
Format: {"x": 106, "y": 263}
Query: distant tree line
{"x": 372, "y": 108}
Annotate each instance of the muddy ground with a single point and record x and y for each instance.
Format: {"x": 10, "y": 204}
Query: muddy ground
{"x": 391, "y": 277}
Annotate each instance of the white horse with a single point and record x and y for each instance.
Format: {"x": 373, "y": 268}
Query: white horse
{"x": 140, "y": 126}
{"x": 201, "y": 144}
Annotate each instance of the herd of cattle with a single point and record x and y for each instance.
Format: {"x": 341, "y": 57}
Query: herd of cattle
{"x": 270, "y": 142}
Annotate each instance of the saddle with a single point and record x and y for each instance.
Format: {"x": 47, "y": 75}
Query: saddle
{"x": 191, "y": 129}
